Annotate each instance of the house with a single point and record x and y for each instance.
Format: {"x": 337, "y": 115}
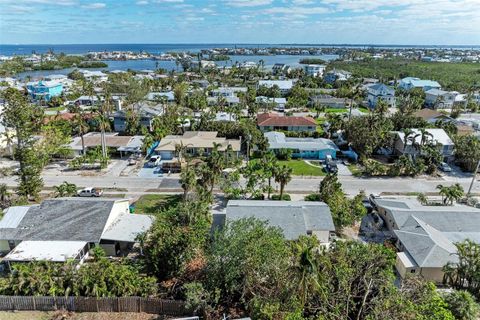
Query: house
{"x": 294, "y": 218}
{"x": 145, "y": 112}
{"x": 432, "y": 116}
{"x": 227, "y": 91}
{"x": 94, "y": 76}
{"x": 314, "y": 70}
{"x": 121, "y": 144}
{"x": 86, "y": 101}
{"x": 194, "y": 142}
{"x": 410, "y": 83}
{"x": 168, "y": 96}
{"x": 44, "y": 90}
{"x": 438, "y": 137}
{"x": 225, "y": 116}
{"x": 425, "y": 235}
{"x": 280, "y": 68}
{"x": 225, "y": 100}
{"x": 66, "y": 228}
{"x": 380, "y": 91}
{"x": 304, "y": 148}
{"x": 63, "y": 79}
{"x": 328, "y": 101}
{"x": 273, "y": 121}
{"x": 278, "y": 103}
{"x": 336, "y": 75}
{"x": 284, "y": 85}
{"x": 439, "y": 99}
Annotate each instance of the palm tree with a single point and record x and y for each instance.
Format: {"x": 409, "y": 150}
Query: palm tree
{"x": 4, "y": 194}
{"x": 269, "y": 164}
{"x": 450, "y": 194}
{"x": 8, "y": 138}
{"x": 283, "y": 175}
{"x": 188, "y": 180}
{"x": 82, "y": 128}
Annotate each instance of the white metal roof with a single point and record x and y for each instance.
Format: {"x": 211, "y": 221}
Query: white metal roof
{"x": 127, "y": 226}
{"x": 13, "y": 216}
{"x": 57, "y": 251}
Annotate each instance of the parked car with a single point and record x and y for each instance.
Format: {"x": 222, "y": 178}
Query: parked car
{"x": 445, "y": 167}
{"x": 331, "y": 167}
{"x": 154, "y": 161}
{"x": 90, "y": 192}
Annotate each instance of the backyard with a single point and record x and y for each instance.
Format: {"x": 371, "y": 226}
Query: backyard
{"x": 154, "y": 203}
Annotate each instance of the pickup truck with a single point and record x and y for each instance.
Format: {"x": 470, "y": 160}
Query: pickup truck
{"x": 90, "y": 192}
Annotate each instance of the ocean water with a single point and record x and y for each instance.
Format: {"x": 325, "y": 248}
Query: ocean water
{"x": 292, "y": 60}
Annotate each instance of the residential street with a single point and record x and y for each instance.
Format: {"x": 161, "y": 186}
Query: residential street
{"x": 351, "y": 185}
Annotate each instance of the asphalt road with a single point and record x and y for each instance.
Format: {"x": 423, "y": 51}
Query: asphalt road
{"x": 351, "y": 185}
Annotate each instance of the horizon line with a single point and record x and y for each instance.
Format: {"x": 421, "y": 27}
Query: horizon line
{"x": 245, "y": 43}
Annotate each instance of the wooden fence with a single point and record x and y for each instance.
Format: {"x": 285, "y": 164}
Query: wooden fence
{"x": 87, "y": 304}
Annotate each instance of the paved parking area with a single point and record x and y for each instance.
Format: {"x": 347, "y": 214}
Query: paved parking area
{"x": 149, "y": 172}
{"x": 169, "y": 183}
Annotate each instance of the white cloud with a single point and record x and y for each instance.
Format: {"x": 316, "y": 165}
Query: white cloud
{"x": 248, "y": 3}
{"x": 95, "y": 5}
{"x": 168, "y": 1}
{"x": 142, "y": 3}
{"x": 297, "y": 10}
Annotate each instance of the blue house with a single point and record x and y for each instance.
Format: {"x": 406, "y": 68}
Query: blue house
{"x": 44, "y": 90}
{"x": 304, "y": 148}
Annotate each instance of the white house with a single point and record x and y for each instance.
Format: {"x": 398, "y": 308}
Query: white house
{"x": 284, "y": 85}
{"x": 314, "y": 70}
{"x": 336, "y": 75}
{"x": 278, "y": 103}
{"x": 380, "y": 91}
{"x": 439, "y": 99}
{"x": 411, "y": 83}
{"x": 437, "y": 137}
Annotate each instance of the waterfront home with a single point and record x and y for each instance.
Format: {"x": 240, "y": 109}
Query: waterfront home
{"x": 410, "y": 83}
{"x": 336, "y": 75}
{"x": 273, "y": 121}
{"x": 439, "y": 99}
{"x": 44, "y": 90}
{"x": 314, "y": 70}
{"x": 426, "y": 235}
{"x": 304, "y": 148}
{"x": 280, "y": 68}
{"x": 410, "y": 145}
{"x": 193, "y": 142}
{"x": 277, "y": 103}
{"x": 284, "y": 85}
{"x": 63, "y": 79}
{"x": 66, "y": 228}
{"x": 225, "y": 117}
{"x": 294, "y": 218}
{"x": 379, "y": 91}
{"x": 94, "y": 76}
{"x": 87, "y": 101}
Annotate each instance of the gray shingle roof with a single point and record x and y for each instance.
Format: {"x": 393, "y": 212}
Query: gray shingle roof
{"x": 73, "y": 219}
{"x": 295, "y": 218}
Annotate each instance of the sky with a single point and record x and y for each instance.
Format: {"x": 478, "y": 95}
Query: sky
{"x": 415, "y": 22}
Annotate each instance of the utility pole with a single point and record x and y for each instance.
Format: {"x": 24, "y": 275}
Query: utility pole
{"x": 473, "y": 179}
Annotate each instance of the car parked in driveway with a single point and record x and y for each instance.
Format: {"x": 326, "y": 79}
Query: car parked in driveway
{"x": 445, "y": 167}
{"x": 154, "y": 161}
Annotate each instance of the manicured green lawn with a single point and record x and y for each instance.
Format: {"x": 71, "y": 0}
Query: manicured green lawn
{"x": 154, "y": 203}
{"x": 301, "y": 168}
{"x": 336, "y": 110}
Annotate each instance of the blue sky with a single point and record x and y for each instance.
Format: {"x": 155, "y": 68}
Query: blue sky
{"x": 240, "y": 21}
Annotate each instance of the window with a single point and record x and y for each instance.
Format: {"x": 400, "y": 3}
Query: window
{"x": 412, "y": 271}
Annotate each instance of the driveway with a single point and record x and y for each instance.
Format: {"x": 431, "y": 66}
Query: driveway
{"x": 343, "y": 170}
{"x": 150, "y": 172}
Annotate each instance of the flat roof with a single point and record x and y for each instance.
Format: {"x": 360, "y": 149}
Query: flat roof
{"x": 57, "y": 251}
{"x": 127, "y": 227}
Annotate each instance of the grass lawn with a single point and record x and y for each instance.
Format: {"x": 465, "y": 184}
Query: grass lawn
{"x": 355, "y": 169}
{"x": 55, "y": 109}
{"x": 153, "y": 203}
{"x": 336, "y": 110}
{"x": 301, "y": 168}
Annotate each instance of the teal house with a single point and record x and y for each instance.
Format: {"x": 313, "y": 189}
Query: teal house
{"x": 44, "y": 90}
{"x": 303, "y": 148}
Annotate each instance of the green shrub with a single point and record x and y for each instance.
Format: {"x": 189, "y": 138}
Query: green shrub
{"x": 285, "y": 197}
